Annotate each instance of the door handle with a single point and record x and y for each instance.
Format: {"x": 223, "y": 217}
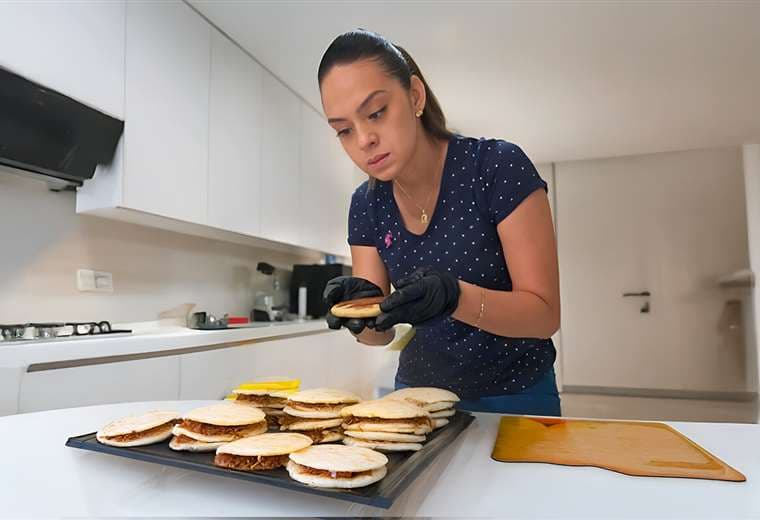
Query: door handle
{"x": 645, "y": 309}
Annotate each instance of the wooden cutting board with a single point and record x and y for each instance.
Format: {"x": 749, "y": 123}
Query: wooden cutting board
{"x": 643, "y": 449}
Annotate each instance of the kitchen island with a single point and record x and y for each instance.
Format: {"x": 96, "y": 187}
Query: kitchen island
{"x": 42, "y": 477}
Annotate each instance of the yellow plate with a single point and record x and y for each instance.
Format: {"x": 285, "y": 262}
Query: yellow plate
{"x": 289, "y": 386}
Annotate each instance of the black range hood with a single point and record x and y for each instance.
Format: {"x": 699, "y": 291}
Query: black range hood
{"x": 51, "y": 135}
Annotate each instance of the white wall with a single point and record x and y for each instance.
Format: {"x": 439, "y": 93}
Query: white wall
{"x": 43, "y": 242}
{"x": 751, "y": 160}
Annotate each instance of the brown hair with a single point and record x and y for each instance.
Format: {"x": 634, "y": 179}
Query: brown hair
{"x": 360, "y": 44}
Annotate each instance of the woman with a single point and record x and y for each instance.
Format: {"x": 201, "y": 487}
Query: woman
{"x": 460, "y": 226}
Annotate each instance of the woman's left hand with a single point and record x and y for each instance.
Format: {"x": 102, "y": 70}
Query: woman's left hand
{"x": 419, "y": 297}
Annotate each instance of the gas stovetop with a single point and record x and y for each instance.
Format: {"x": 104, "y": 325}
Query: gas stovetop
{"x": 58, "y": 331}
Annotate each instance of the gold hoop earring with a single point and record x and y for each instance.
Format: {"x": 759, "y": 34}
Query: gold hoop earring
{"x": 419, "y": 113}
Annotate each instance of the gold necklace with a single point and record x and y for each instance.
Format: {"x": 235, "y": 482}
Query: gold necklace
{"x": 423, "y": 214}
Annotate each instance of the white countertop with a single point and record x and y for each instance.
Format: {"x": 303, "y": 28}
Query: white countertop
{"x": 22, "y": 354}
{"x": 464, "y": 481}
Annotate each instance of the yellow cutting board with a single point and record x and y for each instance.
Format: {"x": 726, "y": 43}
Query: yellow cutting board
{"x": 635, "y": 448}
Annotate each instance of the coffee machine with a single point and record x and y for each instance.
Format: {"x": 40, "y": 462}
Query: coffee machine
{"x": 265, "y": 307}
{"x": 314, "y": 278}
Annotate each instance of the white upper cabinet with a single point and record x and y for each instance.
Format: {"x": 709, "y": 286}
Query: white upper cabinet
{"x": 327, "y": 181}
{"x": 343, "y": 173}
{"x": 213, "y": 142}
{"x": 317, "y": 183}
{"x": 76, "y": 48}
{"x": 343, "y": 177}
{"x": 281, "y": 186}
{"x": 167, "y": 110}
{"x": 234, "y": 187}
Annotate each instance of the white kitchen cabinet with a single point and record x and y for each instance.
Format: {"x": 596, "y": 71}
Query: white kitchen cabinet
{"x": 322, "y": 192}
{"x": 216, "y": 146}
{"x": 167, "y": 88}
{"x": 235, "y": 127}
{"x": 347, "y": 180}
{"x": 315, "y": 196}
{"x": 318, "y": 360}
{"x": 10, "y": 383}
{"x": 281, "y": 219}
{"x": 76, "y": 48}
{"x": 139, "y": 380}
{"x": 336, "y": 177}
{"x": 214, "y": 373}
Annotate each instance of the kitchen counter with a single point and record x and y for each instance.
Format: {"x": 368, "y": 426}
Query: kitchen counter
{"x": 161, "y": 339}
{"x": 464, "y": 481}
{"x": 88, "y": 366}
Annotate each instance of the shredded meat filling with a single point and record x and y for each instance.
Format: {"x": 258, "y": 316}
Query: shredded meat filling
{"x": 182, "y": 439}
{"x": 417, "y": 421}
{"x": 212, "y": 429}
{"x": 316, "y": 407}
{"x": 318, "y": 436}
{"x": 139, "y": 435}
{"x": 262, "y": 400}
{"x": 259, "y": 462}
{"x": 287, "y": 420}
{"x": 331, "y": 474}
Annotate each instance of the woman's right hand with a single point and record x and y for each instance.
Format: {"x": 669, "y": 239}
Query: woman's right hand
{"x": 344, "y": 288}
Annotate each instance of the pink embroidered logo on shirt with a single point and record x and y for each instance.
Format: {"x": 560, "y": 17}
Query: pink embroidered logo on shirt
{"x": 388, "y": 239}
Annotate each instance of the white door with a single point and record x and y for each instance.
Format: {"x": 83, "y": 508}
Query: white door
{"x": 234, "y": 187}
{"x": 76, "y": 48}
{"x": 280, "y": 163}
{"x": 167, "y": 101}
{"x": 669, "y": 224}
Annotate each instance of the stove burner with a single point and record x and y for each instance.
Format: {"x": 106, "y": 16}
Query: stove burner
{"x": 82, "y": 329}
{"x": 44, "y": 331}
{"x": 11, "y": 332}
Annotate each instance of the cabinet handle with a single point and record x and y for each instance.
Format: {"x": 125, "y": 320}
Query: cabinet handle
{"x": 643, "y": 293}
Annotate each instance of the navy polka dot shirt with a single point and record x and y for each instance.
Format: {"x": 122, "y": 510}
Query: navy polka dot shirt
{"x": 483, "y": 182}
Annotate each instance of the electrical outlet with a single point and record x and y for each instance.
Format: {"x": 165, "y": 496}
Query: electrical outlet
{"x": 94, "y": 281}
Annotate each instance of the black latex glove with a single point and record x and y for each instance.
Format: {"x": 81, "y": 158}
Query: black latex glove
{"x": 419, "y": 297}
{"x": 344, "y": 288}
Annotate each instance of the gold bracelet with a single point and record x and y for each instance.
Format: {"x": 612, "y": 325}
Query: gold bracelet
{"x": 482, "y": 307}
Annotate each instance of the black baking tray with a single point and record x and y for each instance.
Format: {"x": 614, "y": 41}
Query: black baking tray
{"x": 403, "y": 467}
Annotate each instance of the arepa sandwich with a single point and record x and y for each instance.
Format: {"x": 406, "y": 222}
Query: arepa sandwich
{"x": 219, "y": 423}
{"x": 337, "y": 466}
{"x": 138, "y": 430}
{"x": 386, "y": 425}
{"x": 260, "y": 453}
{"x": 437, "y": 401}
{"x": 316, "y": 413}
{"x": 271, "y": 402}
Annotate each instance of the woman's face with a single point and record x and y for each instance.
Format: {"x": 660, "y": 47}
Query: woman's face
{"x": 373, "y": 115}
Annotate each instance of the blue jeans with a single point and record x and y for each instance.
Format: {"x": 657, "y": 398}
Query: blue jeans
{"x": 539, "y": 399}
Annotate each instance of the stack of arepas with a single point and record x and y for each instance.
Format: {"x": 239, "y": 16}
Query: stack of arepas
{"x": 207, "y": 428}
{"x": 439, "y": 402}
{"x": 271, "y": 402}
{"x": 260, "y": 453}
{"x": 316, "y": 413}
{"x": 138, "y": 430}
{"x": 386, "y": 425}
{"x": 337, "y": 466}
